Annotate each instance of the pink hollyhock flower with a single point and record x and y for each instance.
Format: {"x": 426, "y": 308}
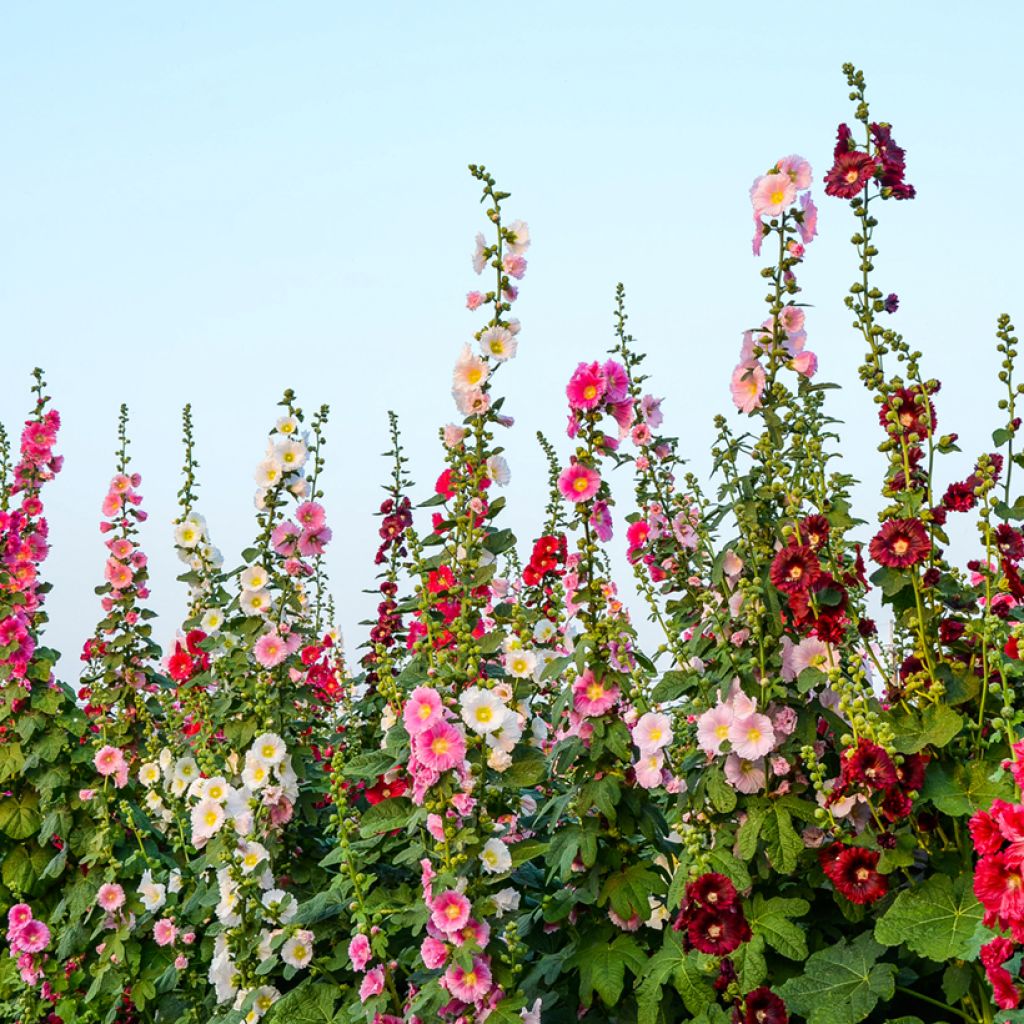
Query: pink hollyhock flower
{"x": 514, "y": 265}
{"x": 120, "y": 547}
{"x": 164, "y": 932}
{"x": 285, "y": 538}
{"x": 758, "y": 239}
{"x": 808, "y": 222}
{"x": 713, "y": 728}
{"x": 117, "y": 574}
{"x": 441, "y": 747}
{"x": 110, "y": 897}
{"x": 752, "y": 736}
{"x": 809, "y": 653}
{"x": 270, "y": 650}
{"x": 578, "y": 482}
{"x": 310, "y": 515}
{"x": 652, "y": 732}
{"x": 31, "y": 937}
{"x": 435, "y": 826}
{"x": 180, "y": 962}
{"x": 121, "y": 484}
{"x": 648, "y": 769}
{"x": 108, "y": 760}
{"x": 591, "y": 696}
{"x": 314, "y": 542}
{"x": 792, "y": 318}
{"x": 586, "y": 387}
{"x": 806, "y": 364}
{"x": 111, "y": 505}
{"x": 453, "y": 435}
{"x": 18, "y": 916}
{"x": 747, "y": 386}
{"x": 449, "y": 911}
{"x": 650, "y": 410}
{"x": 422, "y": 710}
{"x": 372, "y": 984}
{"x": 472, "y": 985}
{"x": 744, "y": 776}
{"x": 85, "y": 795}
{"x": 617, "y": 392}
{"x": 797, "y": 168}
{"x": 772, "y": 194}
{"x": 359, "y": 952}
{"x": 434, "y": 953}
{"x": 474, "y": 300}
{"x": 601, "y": 521}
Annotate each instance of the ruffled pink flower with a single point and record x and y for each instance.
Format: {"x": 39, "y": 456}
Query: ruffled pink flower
{"x": 752, "y": 736}
{"x": 108, "y": 760}
{"x": 601, "y": 521}
{"x": 472, "y": 985}
{"x": 713, "y": 728}
{"x": 31, "y": 937}
{"x": 120, "y": 547}
{"x": 110, "y": 897}
{"x": 474, "y": 300}
{"x": 449, "y": 911}
{"x": 747, "y": 386}
{"x": 649, "y": 769}
{"x": 422, "y": 710}
{"x": 111, "y": 505}
{"x": 808, "y": 223}
{"x": 806, "y": 364}
{"x": 586, "y": 387}
{"x": 435, "y": 826}
{"x": 270, "y": 650}
{"x": 314, "y": 542}
{"x": 798, "y": 169}
{"x": 18, "y": 916}
{"x": 578, "y": 482}
{"x": 372, "y": 985}
{"x": 652, "y": 732}
{"x": 285, "y": 538}
{"x": 310, "y": 515}
{"x": 434, "y": 953}
{"x": 772, "y": 194}
{"x": 514, "y": 265}
{"x": 164, "y": 932}
{"x": 744, "y": 776}
{"x": 591, "y": 697}
{"x": 617, "y": 392}
{"x": 117, "y": 574}
{"x": 359, "y": 952}
{"x": 441, "y": 747}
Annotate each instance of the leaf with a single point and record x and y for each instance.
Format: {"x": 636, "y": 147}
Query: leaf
{"x": 935, "y": 727}
{"x": 368, "y": 765}
{"x": 602, "y": 968}
{"x": 771, "y": 919}
{"x": 693, "y": 984}
{"x": 939, "y": 919}
{"x": 751, "y": 968}
{"x": 723, "y": 796}
{"x": 782, "y": 842}
{"x": 841, "y": 984}
{"x": 528, "y": 769}
{"x": 672, "y": 684}
{"x": 956, "y": 980}
{"x": 309, "y": 1003}
{"x": 20, "y": 818}
{"x": 629, "y": 891}
{"x": 970, "y": 788}
{"x": 387, "y": 816}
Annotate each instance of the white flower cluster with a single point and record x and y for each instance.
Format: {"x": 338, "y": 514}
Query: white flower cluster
{"x": 283, "y": 460}
{"x": 196, "y": 550}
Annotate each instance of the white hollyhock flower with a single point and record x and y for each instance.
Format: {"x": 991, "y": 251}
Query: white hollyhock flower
{"x": 255, "y": 602}
{"x": 269, "y": 748}
{"x": 254, "y": 578}
{"x": 520, "y": 664}
{"x": 149, "y": 774}
{"x": 212, "y": 620}
{"x": 251, "y": 855}
{"x": 298, "y": 950}
{"x": 207, "y": 819}
{"x": 495, "y": 857}
{"x": 153, "y": 894}
{"x": 188, "y": 533}
{"x": 291, "y": 455}
{"x": 482, "y": 710}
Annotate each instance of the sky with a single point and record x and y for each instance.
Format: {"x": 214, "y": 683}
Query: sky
{"x": 212, "y": 203}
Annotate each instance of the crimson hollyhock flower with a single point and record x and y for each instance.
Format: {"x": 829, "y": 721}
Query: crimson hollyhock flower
{"x": 383, "y": 790}
{"x": 712, "y": 890}
{"x": 814, "y": 530}
{"x": 869, "y": 764}
{"x": 1010, "y": 542}
{"x": 794, "y": 569}
{"x": 911, "y": 773}
{"x": 853, "y": 873}
{"x": 763, "y": 1006}
{"x": 718, "y": 932}
{"x": 1004, "y": 992}
{"x": 896, "y": 806}
{"x": 900, "y": 543}
{"x": 1000, "y": 888}
{"x": 960, "y": 497}
{"x": 892, "y": 159}
{"x": 950, "y": 630}
{"x": 179, "y": 665}
{"x": 915, "y": 412}
{"x": 850, "y": 174}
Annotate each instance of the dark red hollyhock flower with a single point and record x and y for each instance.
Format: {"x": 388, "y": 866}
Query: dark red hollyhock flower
{"x": 950, "y": 630}
{"x": 726, "y": 974}
{"x": 910, "y": 774}
{"x": 891, "y": 303}
{"x": 850, "y": 174}
{"x": 900, "y": 543}
{"x": 913, "y": 416}
{"x": 1009, "y": 542}
{"x": 814, "y": 530}
{"x": 1012, "y": 649}
{"x": 1015, "y": 584}
{"x": 794, "y": 569}
{"x": 939, "y": 515}
{"x": 896, "y": 806}
{"x": 714, "y": 891}
{"x": 960, "y": 497}
{"x": 717, "y": 932}
{"x": 869, "y": 764}
{"x": 855, "y": 877}
{"x": 763, "y": 1006}
{"x": 867, "y": 628}
{"x": 892, "y": 159}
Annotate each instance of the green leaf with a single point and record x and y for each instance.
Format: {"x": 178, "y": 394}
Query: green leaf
{"x": 527, "y": 769}
{"x": 368, "y": 765}
{"x": 751, "y": 969}
{"x": 629, "y": 891}
{"x": 672, "y": 684}
{"x": 956, "y": 981}
{"x": 309, "y": 1003}
{"x": 387, "y": 816}
{"x": 939, "y": 919}
{"x": 935, "y": 727}
{"x": 782, "y": 842}
{"x": 602, "y": 967}
{"x": 693, "y": 984}
{"x": 770, "y": 918}
{"x": 723, "y": 796}
{"x": 20, "y": 818}
{"x": 970, "y": 788}
{"x": 841, "y": 984}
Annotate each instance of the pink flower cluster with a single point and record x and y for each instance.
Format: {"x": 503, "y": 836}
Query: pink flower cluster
{"x": 307, "y": 537}
{"x": 125, "y": 559}
{"x": 652, "y": 734}
{"x": 110, "y": 763}
{"x": 26, "y": 937}
{"x": 437, "y": 745}
{"x": 602, "y": 387}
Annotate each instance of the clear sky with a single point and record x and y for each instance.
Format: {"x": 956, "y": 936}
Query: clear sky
{"x": 213, "y": 202}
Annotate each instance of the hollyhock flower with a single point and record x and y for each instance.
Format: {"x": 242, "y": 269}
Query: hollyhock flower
{"x": 1004, "y": 991}
{"x": 207, "y": 819}
{"x": 482, "y": 710}
{"x": 153, "y": 894}
{"x": 472, "y": 402}
{"x": 652, "y": 732}
{"x": 712, "y": 890}
{"x": 520, "y": 664}
{"x": 852, "y": 872}
{"x": 850, "y": 174}
{"x": 469, "y": 985}
{"x": 499, "y": 343}
{"x": 794, "y": 569}
{"x": 772, "y": 194}
{"x": 314, "y": 542}
{"x": 650, "y": 410}
{"x": 713, "y": 728}
{"x": 591, "y": 697}
{"x": 601, "y": 521}
{"x": 900, "y": 543}
{"x": 479, "y": 254}
{"x": 441, "y": 747}
{"x": 797, "y": 168}
{"x": 18, "y": 916}
{"x": 110, "y": 897}
{"x": 807, "y": 221}
{"x": 433, "y": 952}
{"x": 255, "y": 602}
{"x": 270, "y": 650}
{"x": 718, "y": 932}
{"x": 164, "y": 932}
{"x": 514, "y": 265}
{"x": 805, "y": 363}
{"x": 470, "y": 371}
{"x": 870, "y": 764}
{"x": 449, "y": 911}
{"x": 422, "y": 710}
{"x": 285, "y": 539}
{"x": 747, "y": 386}
{"x": 495, "y": 857}
{"x": 109, "y": 761}
{"x": 32, "y": 937}
{"x": 649, "y": 768}
{"x": 586, "y": 387}
{"x": 985, "y": 833}
{"x": 520, "y": 240}
{"x": 269, "y": 748}
{"x": 578, "y": 483}
{"x": 359, "y": 952}
{"x": 914, "y": 413}
{"x": 745, "y": 776}
{"x": 752, "y": 736}
{"x": 298, "y": 950}
{"x": 474, "y": 300}
{"x": 763, "y": 1006}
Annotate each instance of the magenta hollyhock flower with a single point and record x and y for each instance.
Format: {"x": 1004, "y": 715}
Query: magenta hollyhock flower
{"x": 578, "y": 483}
{"x": 108, "y": 760}
{"x": 372, "y": 984}
{"x": 314, "y": 542}
{"x": 772, "y": 194}
{"x": 591, "y": 696}
{"x": 747, "y": 386}
{"x": 617, "y": 390}
{"x": 285, "y": 539}
{"x": 31, "y": 937}
{"x": 752, "y": 736}
{"x": 422, "y": 710}
{"x": 586, "y": 387}
{"x": 441, "y": 747}
{"x": 359, "y": 952}
{"x": 472, "y": 985}
{"x": 449, "y": 911}
{"x": 270, "y": 650}
{"x": 110, "y": 897}
{"x": 601, "y": 521}
{"x": 18, "y": 916}
{"x": 310, "y": 515}
{"x": 434, "y": 953}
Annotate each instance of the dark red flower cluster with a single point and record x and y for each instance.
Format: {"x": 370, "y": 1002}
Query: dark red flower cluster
{"x": 547, "y": 559}
{"x": 817, "y": 601}
{"x": 322, "y": 670}
{"x": 712, "y": 917}
{"x": 914, "y": 413}
{"x": 794, "y": 569}
{"x": 901, "y": 543}
{"x": 868, "y": 768}
{"x": 892, "y": 161}
{"x": 853, "y": 168}
{"x": 853, "y": 870}
{"x": 396, "y": 519}
{"x": 763, "y": 1006}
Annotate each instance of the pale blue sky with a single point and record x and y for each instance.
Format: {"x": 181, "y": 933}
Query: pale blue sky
{"x": 209, "y": 203}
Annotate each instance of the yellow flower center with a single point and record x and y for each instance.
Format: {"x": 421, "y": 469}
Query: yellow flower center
{"x": 580, "y": 484}
{"x": 484, "y": 714}
{"x": 440, "y": 745}
{"x": 777, "y": 196}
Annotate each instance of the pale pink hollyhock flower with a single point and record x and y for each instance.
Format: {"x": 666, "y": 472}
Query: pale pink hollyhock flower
{"x": 797, "y": 168}
{"x": 422, "y": 710}
{"x": 449, "y": 911}
{"x": 521, "y": 241}
{"x": 732, "y": 564}
{"x": 499, "y": 343}
{"x": 463, "y": 804}
{"x": 752, "y": 736}
{"x": 111, "y": 504}
{"x": 473, "y": 402}
{"x": 270, "y": 650}
{"x": 180, "y": 962}
{"x": 784, "y": 722}
{"x": 652, "y": 732}
{"x": 108, "y": 760}
{"x": 117, "y": 574}
{"x": 514, "y": 265}
{"x": 310, "y": 515}
{"x": 809, "y": 222}
{"x": 578, "y": 482}
{"x": 792, "y": 318}
{"x": 795, "y": 342}
{"x": 435, "y": 826}
{"x": 85, "y": 795}
{"x": 747, "y": 386}
{"x": 471, "y": 985}
{"x": 741, "y": 704}
{"x": 532, "y": 1015}
{"x": 780, "y": 766}
{"x": 744, "y": 776}
{"x": 31, "y": 937}
{"x": 474, "y": 300}
{"x": 758, "y": 240}
{"x": 164, "y": 932}
{"x": 441, "y": 747}
{"x": 648, "y": 769}
{"x": 453, "y": 435}
{"x": 591, "y": 696}
{"x": 359, "y": 952}
{"x": 641, "y": 435}
{"x": 755, "y": 343}
{"x": 434, "y": 953}
{"x": 372, "y": 984}
{"x": 470, "y": 371}
{"x": 713, "y": 728}
{"x": 806, "y": 364}
{"x": 772, "y": 194}
{"x": 110, "y": 897}
{"x": 809, "y": 653}
{"x": 120, "y": 547}
{"x": 479, "y": 258}
{"x": 586, "y": 387}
